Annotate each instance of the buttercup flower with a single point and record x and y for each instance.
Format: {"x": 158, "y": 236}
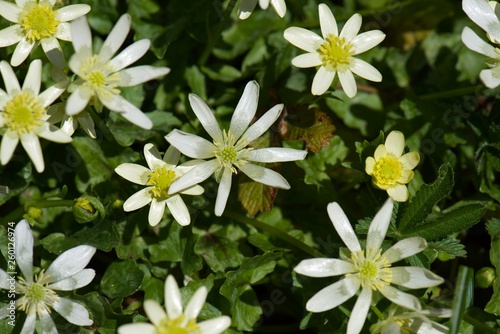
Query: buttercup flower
{"x": 175, "y": 320}
{"x": 370, "y": 269}
{"x": 334, "y": 53}
{"x": 230, "y": 148}
{"x": 158, "y": 179}
{"x": 101, "y": 75}
{"x": 36, "y": 21}
{"x": 390, "y": 169}
{"x": 38, "y": 293}
{"x": 24, "y": 116}
{"x": 247, "y": 6}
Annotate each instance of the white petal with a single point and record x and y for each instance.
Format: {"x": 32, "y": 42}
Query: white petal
{"x": 398, "y": 193}
{"x": 154, "y": 311}
{"x": 4, "y": 281}
{"x": 405, "y": 248}
{"x": 223, "y": 192}
{"x": 76, "y": 281}
{"x": 246, "y": 8}
{"x": 140, "y": 74}
{"x": 365, "y": 70}
{"x": 343, "y": 227}
{"x": 172, "y": 156}
{"x": 307, "y": 60}
{"x": 206, "y": 118}
{"x": 156, "y": 212}
{"x": 400, "y": 298}
{"x": 70, "y": 262}
{"x": 395, "y": 143}
{"x": 279, "y": 7}
{"x": 153, "y": 156}
{"x": 115, "y": 38}
{"x": 127, "y": 110}
{"x": 196, "y": 175}
{"x": 360, "y": 311}
{"x": 137, "y": 327}
{"x": 333, "y": 295}
{"x": 245, "y": 110}
{"x": 63, "y": 32}
{"x": 194, "y": 190}
{"x": 71, "y": 12}
{"x": 265, "y": 176}
{"x": 475, "y": 43}
{"x": 215, "y": 326}
{"x": 191, "y": 145}
{"x": 29, "y": 324}
{"x": 262, "y": 124}
{"x": 378, "y": 226}
{"x": 179, "y": 210}
{"x": 48, "y": 96}
{"x": 483, "y": 15}
{"x": 78, "y": 100}
{"x": 489, "y": 78}
{"x": 8, "y": 146}
{"x": 367, "y": 40}
{"x": 81, "y": 36}
{"x": 73, "y": 312}
{"x": 322, "y": 81}
{"x": 9, "y": 11}
{"x": 276, "y": 154}
{"x": 303, "y": 39}
{"x": 31, "y": 145}
{"x": 323, "y": 267}
{"x": 87, "y": 124}
{"x": 10, "y": 35}
{"x": 138, "y": 200}
{"x": 9, "y": 78}
{"x": 130, "y": 54}
{"x": 351, "y": 27}
{"x": 348, "y": 83}
{"x": 21, "y": 52}
{"x": 134, "y": 173}
{"x": 54, "y": 52}
{"x": 24, "y": 249}
{"x": 50, "y": 132}
{"x": 414, "y": 277}
{"x": 47, "y": 325}
{"x": 327, "y": 21}
{"x": 196, "y": 303}
{"x": 172, "y": 298}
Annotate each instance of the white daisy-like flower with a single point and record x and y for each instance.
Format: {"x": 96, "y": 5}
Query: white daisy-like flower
{"x": 247, "y": 6}
{"x": 158, "y": 179}
{"x": 173, "y": 319}
{"x": 37, "y": 22}
{"x": 400, "y": 321}
{"x": 334, "y": 53}
{"x": 100, "y": 75}
{"x": 38, "y": 292}
{"x": 229, "y": 149}
{"x": 483, "y": 13}
{"x": 368, "y": 270}
{"x": 390, "y": 169}
{"x": 23, "y": 114}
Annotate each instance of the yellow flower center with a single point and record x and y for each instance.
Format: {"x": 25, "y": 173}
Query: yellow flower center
{"x": 23, "y": 113}
{"x": 161, "y": 179}
{"x": 37, "y": 297}
{"x": 373, "y": 270}
{"x": 230, "y": 153}
{"x": 177, "y": 326}
{"x": 39, "y": 21}
{"x": 387, "y": 171}
{"x": 100, "y": 77}
{"x": 336, "y": 53}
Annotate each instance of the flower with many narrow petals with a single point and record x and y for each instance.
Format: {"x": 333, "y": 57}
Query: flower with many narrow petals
{"x": 399, "y": 321}
{"x": 369, "y": 270}
{"x": 175, "y": 319}
{"x": 38, "y": 292}
{"x": 230, "y": 148}
{"x": 23, "y": 114}
{"x": 158, "y": 178}
{"x": 247, "y": 6}
{"x": 36, "y": 21}
{"x": 334, "y": 53}
{"x": 390, "y": 169}
{"x": 100, "y": 75}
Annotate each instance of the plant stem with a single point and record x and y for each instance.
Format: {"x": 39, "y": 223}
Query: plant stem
{"x": 274, "y": 232}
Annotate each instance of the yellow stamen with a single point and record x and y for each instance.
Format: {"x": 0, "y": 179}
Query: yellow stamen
{"x": 372, "y": 269}
{"x": 38, "y": 21}
{"x": 230, "y": 153}
{"x": 23, "y": 113}
{"x": 161, "y": 178}
{"x": 37, "y": 297}
{"x": 177, "y": 326}
{"x": 100, "y": 77}
{"x": 387, "y": 171}
{"x": 336, "y": 53}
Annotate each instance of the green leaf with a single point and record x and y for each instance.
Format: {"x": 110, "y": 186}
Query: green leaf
{"x": 153, "y": 289}
{"x": 245, "y": 309}
{"x": 191, "y": 262}
{"x": 256, "y": 197}
{"x": 95, "y": 168}
{"x": 196, "y": 81}
{"x": 493, "y": 227}
{"x": 16, "y": 177}
{"x": 463, "y": 297}
{"x": 452, "y": 222}
{"x": 420, "y": 206}
{"x": 121, "y": 279}
{"x": 450, "y": 246}
{"x": 171, "y": 245}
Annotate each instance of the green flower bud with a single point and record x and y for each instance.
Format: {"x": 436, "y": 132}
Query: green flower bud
{"x": 485, "y": 276}
{"x": 87, "y": 208}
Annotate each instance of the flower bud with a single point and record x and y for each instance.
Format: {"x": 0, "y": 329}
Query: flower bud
{"x": 485, "y": 277}
{"x": 87, "y": 208}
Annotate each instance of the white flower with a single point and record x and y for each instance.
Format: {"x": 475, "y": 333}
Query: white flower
{"x": 390, "y": 169}
{"x": 100, "y": 75}
{"x": 369, "y": 270}
{"x": 158, "y": 177}
{"x": 484, "y": 15}
{"x": 399, "y": 321}
{"x": 230, "y": 148}
{"x": 36, "y": 21}
{"x": 24, "y": 116}
{"x": 247, "y": 6}
{"x": 175, "y": 320}
{"x": 334, "y": 53}
{"x": 38, "y": 292}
